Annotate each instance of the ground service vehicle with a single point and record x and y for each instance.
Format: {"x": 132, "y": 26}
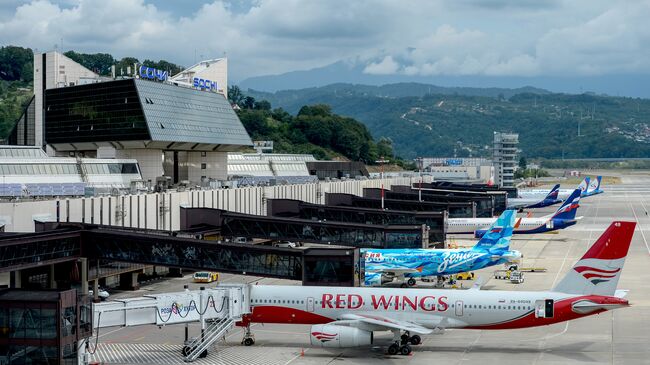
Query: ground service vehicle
{"x": 205, "y": 277}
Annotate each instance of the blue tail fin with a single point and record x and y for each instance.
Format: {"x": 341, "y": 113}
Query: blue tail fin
{"x": 584, "y": 185}
{"x": 595, "y": 185}
{"x": 569, "y": 208}
{"x": 499, "y": 234}
{"x": 554, "y": 192}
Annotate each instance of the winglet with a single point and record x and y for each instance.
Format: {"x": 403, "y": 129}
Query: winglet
{"x": 477, "y": 284}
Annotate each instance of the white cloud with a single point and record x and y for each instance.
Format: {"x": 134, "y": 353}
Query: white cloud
{"x": 387, "y": 66}
{"x": 419, "y": 37}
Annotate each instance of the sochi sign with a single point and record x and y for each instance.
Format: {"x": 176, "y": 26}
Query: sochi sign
{"x": 204, "y": 84}
{"x": 152, "y": 73}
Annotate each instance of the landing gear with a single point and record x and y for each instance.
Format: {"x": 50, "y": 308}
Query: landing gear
{"x": 393, "y": 349}
{"x": 415, "y": 340}
{"x": 401, "y": 345}
{"x": 410, "y": 282}
{"x": 405, "y": 350}
{"x": 249, "y": 339}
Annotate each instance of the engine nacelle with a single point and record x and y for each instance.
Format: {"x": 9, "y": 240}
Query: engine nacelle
{"x": 328, "y": 335}
{"x": 378, "y": 279}
{"x": 479, "y": 233}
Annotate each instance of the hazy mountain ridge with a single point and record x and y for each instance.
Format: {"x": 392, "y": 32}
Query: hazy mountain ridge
{"x": 461, "y": 120}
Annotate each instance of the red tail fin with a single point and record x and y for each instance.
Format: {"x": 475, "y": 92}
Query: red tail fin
{"x": 598, "y": 271}
{"x": 613, "y": 243}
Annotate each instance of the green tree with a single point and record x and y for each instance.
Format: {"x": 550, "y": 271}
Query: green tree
{"x": 16, "y": 64}
{"x": 235, "y": 96}
{"x": 248, "y": 102}
{"x": 523, "y": 164}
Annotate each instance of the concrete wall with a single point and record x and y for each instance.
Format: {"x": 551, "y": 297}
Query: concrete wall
{"x": 216, "y": 166}
{"x": 162, "y": 210}
{"x": 150, "y": 161}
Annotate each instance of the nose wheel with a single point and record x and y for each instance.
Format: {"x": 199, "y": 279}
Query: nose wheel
{"x": 249, "y": 338}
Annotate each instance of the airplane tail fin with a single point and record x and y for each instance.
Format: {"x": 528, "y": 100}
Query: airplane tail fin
{"x": 594, "y": 185}
{"x": 553, "y": 194}
{"x": 598, "y": 271}
{"x": 499, "y": 234}
{"x": 584, "y": 185}
{"x": 569, "y": 208}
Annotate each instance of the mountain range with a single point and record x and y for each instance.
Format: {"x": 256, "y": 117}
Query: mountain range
{"x": 354, "y": 72}
{"x": 428, "y": 120}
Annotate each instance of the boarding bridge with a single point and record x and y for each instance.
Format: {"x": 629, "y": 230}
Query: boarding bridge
{"x": 217, "y": 309}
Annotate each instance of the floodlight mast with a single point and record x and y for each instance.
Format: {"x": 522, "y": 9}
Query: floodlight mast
{"x": 381, "y": 163}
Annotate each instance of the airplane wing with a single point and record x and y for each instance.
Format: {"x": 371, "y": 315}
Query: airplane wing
{"x": 398, "y": 272}
{"x": 380, "y": 322}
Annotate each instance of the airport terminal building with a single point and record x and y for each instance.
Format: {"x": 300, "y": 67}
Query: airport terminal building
{"x": 180, "y": 127}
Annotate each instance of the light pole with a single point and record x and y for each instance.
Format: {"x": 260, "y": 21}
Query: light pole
{"x": 420, "y": 162}
{"x": 381, "y": 162}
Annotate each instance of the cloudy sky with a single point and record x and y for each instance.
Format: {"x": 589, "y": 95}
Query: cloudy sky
{"x": 522, "y": 38}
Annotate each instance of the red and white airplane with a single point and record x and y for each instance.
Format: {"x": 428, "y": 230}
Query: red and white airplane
{"x": 347, "y": 317}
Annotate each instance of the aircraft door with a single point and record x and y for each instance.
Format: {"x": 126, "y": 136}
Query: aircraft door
{"x": 310, "y": 304}
{"x": 549, "y": 224}
{"x": 459, "y": 308}
{"x": 544, "y": 308}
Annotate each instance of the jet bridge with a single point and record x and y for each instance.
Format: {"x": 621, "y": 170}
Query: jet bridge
{"x": 217, "y": 309}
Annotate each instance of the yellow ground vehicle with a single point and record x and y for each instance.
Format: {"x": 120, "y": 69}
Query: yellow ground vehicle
{"x": 205, "y": 276}
{"x": 465, "y": 276}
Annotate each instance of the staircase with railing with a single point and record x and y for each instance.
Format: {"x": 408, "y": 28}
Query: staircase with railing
{"x": 197, "y": 347}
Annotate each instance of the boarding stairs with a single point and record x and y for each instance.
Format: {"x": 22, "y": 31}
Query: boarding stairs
{"x": 217, "y": 309}
{"x": 213, "y": 332}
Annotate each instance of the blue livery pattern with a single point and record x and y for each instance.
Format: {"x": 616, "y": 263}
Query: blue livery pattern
{"x": 492, "y": 249}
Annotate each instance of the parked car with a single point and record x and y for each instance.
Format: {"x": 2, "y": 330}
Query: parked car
{"x": 101, "y": 293}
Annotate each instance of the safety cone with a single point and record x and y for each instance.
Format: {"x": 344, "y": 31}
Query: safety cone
{"x": 302, "y": 352}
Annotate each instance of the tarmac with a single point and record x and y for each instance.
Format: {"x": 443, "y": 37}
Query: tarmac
{"x": 615, "y": 337}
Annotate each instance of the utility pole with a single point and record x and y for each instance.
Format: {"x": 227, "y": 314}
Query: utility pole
{"x": 381, "y": 162}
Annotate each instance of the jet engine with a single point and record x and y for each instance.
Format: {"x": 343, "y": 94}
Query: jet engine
{"x": 329, "y": 335}
{"x": 378, "y": 279}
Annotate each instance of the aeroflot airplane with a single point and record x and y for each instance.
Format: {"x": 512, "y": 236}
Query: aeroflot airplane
{"x": 347, "y": 317}
{"x": 383, "y": 266}
{"x": 536, "y": 201}
{"x": 563, "y": 217}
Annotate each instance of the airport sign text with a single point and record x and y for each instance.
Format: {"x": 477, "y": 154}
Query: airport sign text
{"x": 204, "y": 84}
{"x": 152, "y": 73}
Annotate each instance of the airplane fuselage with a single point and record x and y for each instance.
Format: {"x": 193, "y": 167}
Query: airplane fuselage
{"x": 415, "y": 263}
{"x": 430, "y": 308}
{"x": 525, "y": 226}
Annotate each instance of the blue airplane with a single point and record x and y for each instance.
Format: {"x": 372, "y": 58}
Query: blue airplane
{"x": 593, "y": 187}
{"x": 384, "y": 265}
{"x": 532, "y": 201}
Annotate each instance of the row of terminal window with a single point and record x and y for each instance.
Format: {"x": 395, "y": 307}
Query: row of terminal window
{"x": 68, "y": 169}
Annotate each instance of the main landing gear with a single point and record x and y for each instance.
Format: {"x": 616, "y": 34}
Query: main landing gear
{"x": 408, "y": 283}
{"x": 402, "y": 344}
{"x": 249, "y": 338}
